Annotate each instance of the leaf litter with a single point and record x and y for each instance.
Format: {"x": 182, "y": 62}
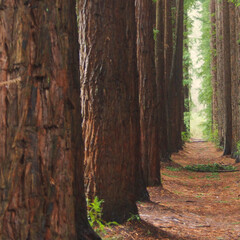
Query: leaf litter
{"x": 189, "y": 205}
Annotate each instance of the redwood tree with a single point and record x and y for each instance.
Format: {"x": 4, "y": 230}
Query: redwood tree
{"x": 175, "y": 86}
{"x": 110, "y": 105}
{"x": 161, "y": 82}
{"x": 220, "y": 69}
{"x": 147, "y": 92}
{"x": 41, "y": 150}
{"x": 227, "y": 80}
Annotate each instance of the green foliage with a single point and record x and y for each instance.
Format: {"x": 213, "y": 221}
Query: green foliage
{"x": 238, "y": 149}
{"x": 95, "y": 215}
{"x": 173, "y": 169}
{"x": 205, "y": 94}
{"x": 188, "y": 4}
{"x": 185, "y": 136}
{"x": 134, "y": 217}
{"x": 236, "y": 2}
{"x": 187, "y": 65}
{"x": 213, "y": 136}
{"x": 155, "y": 33}
{"x": 214, "y": 175}
{"x": 215, "y": 167}
{"x": 165, "y": 174}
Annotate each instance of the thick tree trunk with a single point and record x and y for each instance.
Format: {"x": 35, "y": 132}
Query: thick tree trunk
{"x": 41, "y": 153}
{"x": 175, "y": 87}
{"x": 110, "y": 106}
{"x": 147, "y": 92}
{"x": 234, "y": 43}
{"x": 168, "y": 54}
{"x": 237, "y": 52}
{"x": 160, "y": 79}
{"x": 227, "y": 81}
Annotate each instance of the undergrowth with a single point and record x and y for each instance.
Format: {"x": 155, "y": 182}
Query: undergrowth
{"x": 95, "y": 216}
{"x": 215, "y": 167}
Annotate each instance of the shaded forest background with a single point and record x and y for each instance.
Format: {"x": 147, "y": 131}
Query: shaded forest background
{"x": 92, "y": 102}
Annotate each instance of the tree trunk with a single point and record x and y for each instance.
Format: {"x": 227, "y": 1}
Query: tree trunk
{"x": 160, "y": 79}
{"x": 175, "y": 88}
{"x": 168, "y": 54}
{"x": 227, "y": 81}
{"x": 234, "y": 43}
{"x": 237, "y": 52}
{"x": 214, "y": 66}
{"x": 219, "y": 52}
{"x": 110, "y": 106}
{"x": 41, "y": 177}
{"x": 147, "y": 92}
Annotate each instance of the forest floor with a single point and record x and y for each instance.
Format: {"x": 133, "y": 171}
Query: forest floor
{"x": 191, "y": 205}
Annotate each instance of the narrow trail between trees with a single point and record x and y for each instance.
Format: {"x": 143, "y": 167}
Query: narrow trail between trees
{"x": 191, "y": 205}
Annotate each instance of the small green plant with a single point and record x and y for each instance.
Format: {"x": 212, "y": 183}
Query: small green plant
{"x": 236, "y": 223}
{"x": 95, "y": 215}
{"x": 134, "y": 217}
{"x": 155, "y": 33}
{"x": 237, "y": 153}
{"x": 200, "y": 195}
{"x": 215, "y": 167}
{"x": 185, "y": 136}
{"x": 149, "y": 232}
{"x": 178, "y": 193}
{"x": 220, "y": 201}
{"x": 214, "y": 175}
{"x": 173, "y": 169}
{"x": 165, "y": 174}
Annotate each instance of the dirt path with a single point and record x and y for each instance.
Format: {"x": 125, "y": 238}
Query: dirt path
{"x": 196, "y": 205}
{"x": 191, "y": 205}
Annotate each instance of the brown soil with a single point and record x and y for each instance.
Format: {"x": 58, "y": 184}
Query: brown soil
{"x": 191, "y": 205}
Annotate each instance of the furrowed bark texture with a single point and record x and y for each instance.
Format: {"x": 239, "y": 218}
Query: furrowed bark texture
{"x": 175, "y": 87}
{"x": 41, "y": 155}
{"x": 235, "y": 76}
{"x": 147, "y": 92}
{"x": 168, "y": 54}
{"x": 160, "y": 79}
{"x": 219, "y": 52}
{"x": 227, "y": 80}
{"x": 110, "y": 105}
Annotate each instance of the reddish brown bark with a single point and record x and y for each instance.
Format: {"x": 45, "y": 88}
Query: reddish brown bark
{"x": 235, "y": 47}
{"x": 147, "y": 92}
{"x": 227, "y": 81}
{"x": 160, "y": 79}
{"x": 219, "y": 53}
{"x": 110, "y": 105}
{"x": 175, "y": 86}
{"x": 41, "y": 178}
{"x": 168, "y": 54}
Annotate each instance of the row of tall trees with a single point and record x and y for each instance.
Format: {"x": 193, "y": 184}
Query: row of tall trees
{"x": 114, "y": 121}
{"x": 225, "y": 39}
{"x": 131, "y": 71}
